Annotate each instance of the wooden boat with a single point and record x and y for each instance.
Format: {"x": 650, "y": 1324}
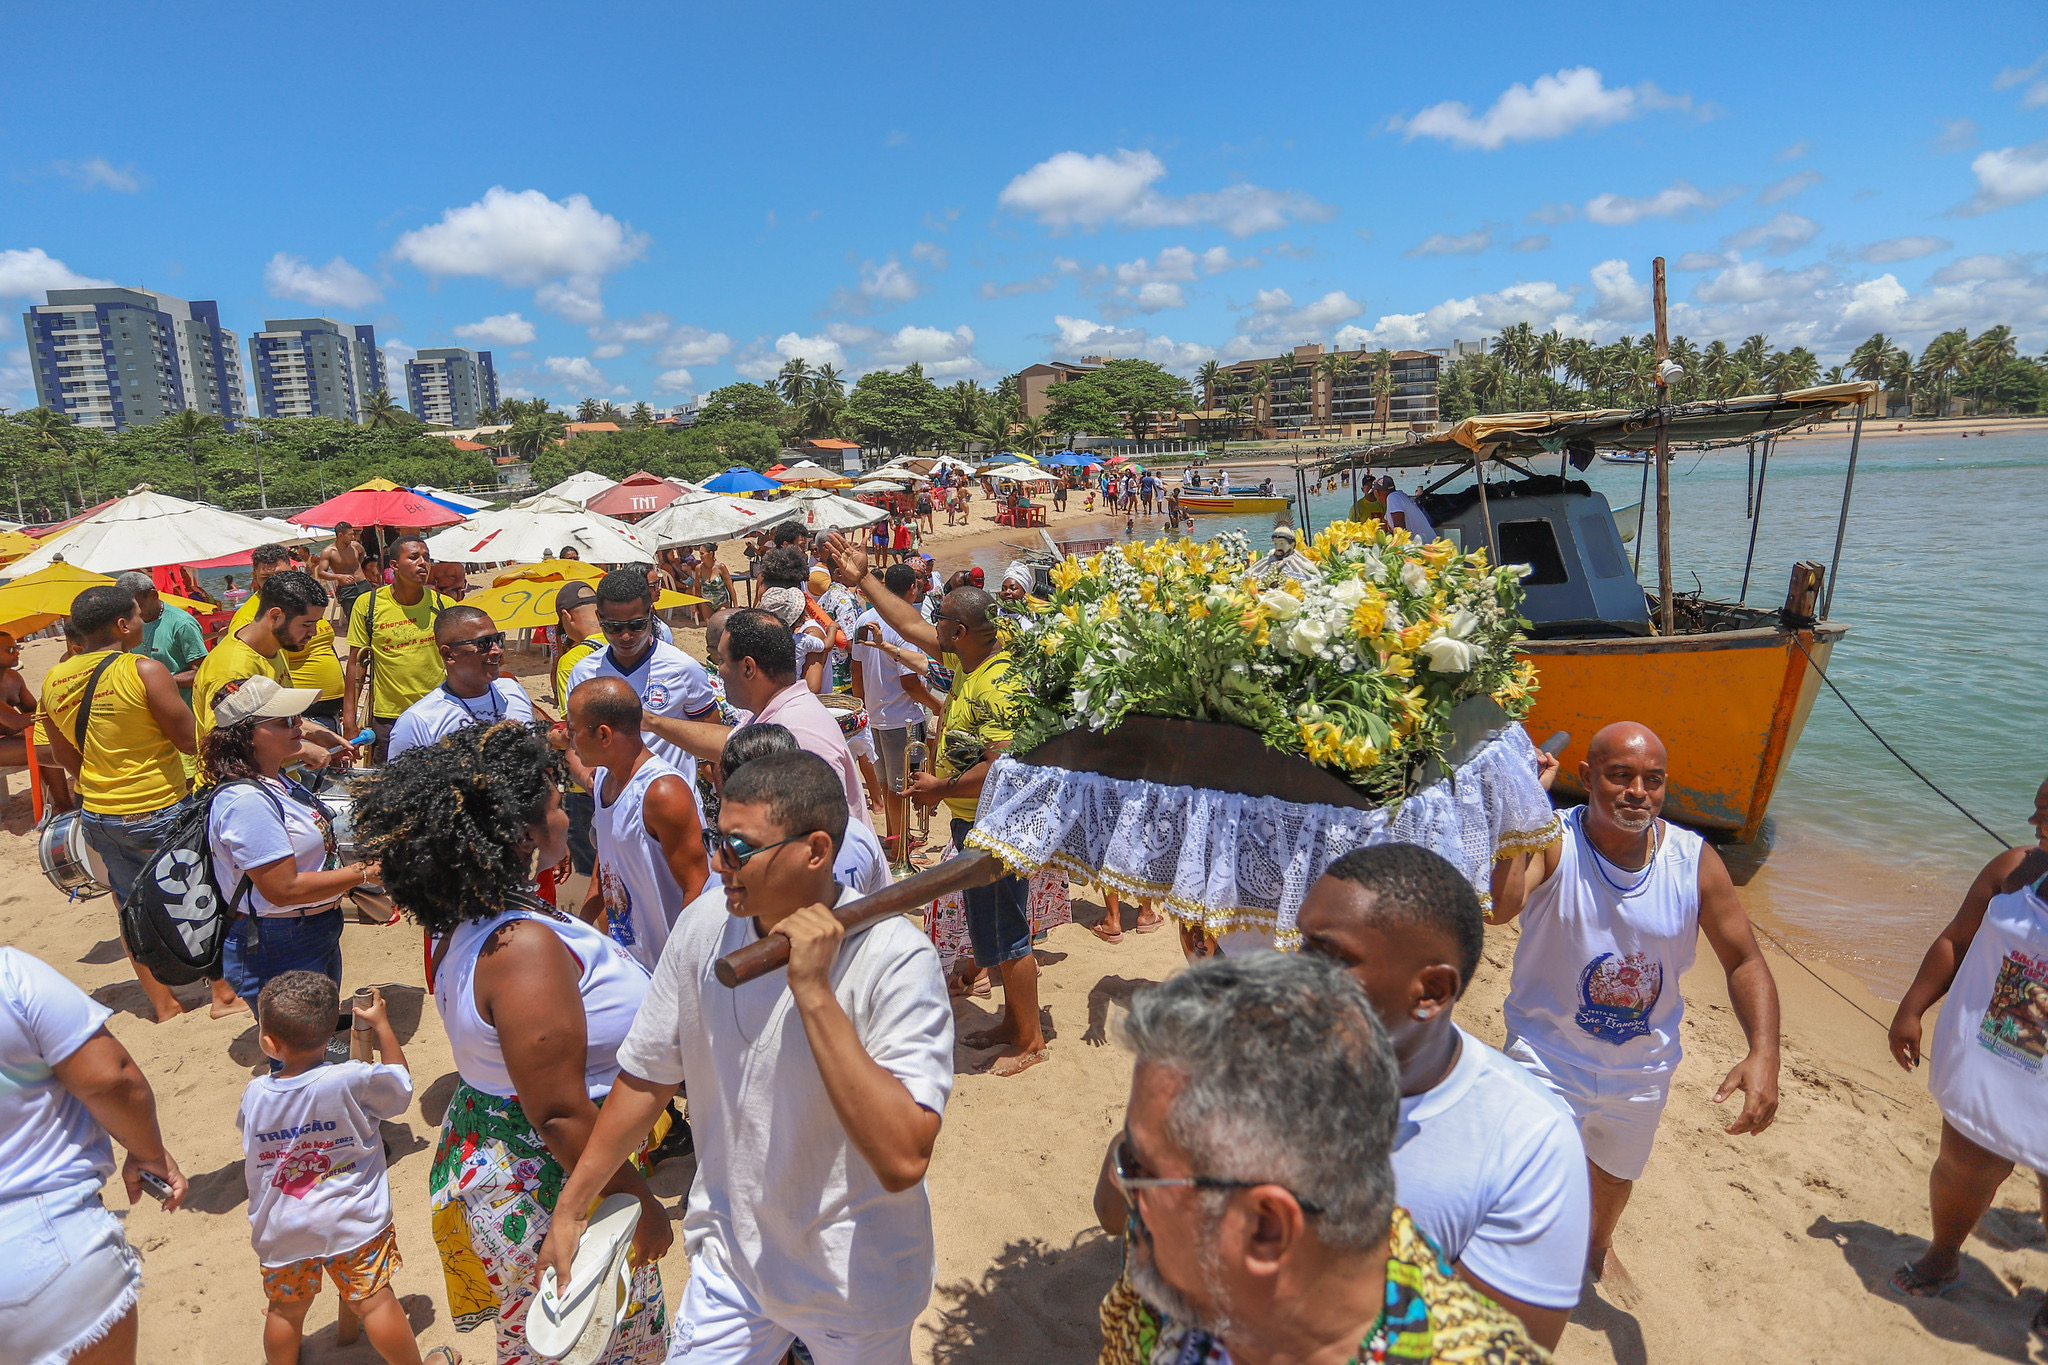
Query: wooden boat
{"x": 1728, "y": 687}
{"x": 1234, "y": 502}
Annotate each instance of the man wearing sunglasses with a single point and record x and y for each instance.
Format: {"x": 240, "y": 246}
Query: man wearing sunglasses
{"x": 1258, "y": 1187}
{"x": 667, "y": 681}
{"x": 472, "y": 651}
{"x": 815, "y": 1095}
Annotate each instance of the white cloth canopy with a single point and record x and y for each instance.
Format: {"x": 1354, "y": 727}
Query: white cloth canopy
{"x": 1230, "y": 862}
{"x": 820, "y": 510}
{"x": 700, "y": 518}
{"x": 804, "y": 471}
{"x": 948, "y": 462}
{"x": 580, "y": 488}
{"x": 536, "y": 529}
{"x": 1023, "y": 473}
{"x": 147, "y": 529}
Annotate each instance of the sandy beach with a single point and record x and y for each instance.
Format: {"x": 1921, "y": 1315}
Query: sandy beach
{"x": 1785, "y": 1238}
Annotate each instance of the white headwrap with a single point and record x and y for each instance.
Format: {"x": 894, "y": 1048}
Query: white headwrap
{"x": 1019, "y": 573}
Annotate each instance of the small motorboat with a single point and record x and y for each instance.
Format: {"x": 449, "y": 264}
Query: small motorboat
{"x": 1252, "y": 501}
{"x": 1625, "y": 456}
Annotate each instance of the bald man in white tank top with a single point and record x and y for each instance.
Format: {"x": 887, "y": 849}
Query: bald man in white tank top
{"x": 1611, "y": 914}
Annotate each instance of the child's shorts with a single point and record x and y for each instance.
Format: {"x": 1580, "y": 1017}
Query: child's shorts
{"x": 357, "y": 1274}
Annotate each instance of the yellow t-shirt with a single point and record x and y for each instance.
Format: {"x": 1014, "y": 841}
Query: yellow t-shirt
{"x": 572, "y": 656}
{"x": 128, "y": 765}
{"x": 980, "y": 710}
{"x": 317, "y": 665}
{"x": 405, "y": 664}
{"x": 230, "y": 660}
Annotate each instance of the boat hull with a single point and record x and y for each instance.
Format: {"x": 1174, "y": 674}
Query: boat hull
{"x": 1729, "y": 706}
{"x": 1198, "y": 503}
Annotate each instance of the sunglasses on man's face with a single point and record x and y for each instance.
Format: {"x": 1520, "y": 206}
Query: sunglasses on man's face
{"x": 482, "y": 644}
{"x": 632, "y": 627}
{"x": 737, "y": 852}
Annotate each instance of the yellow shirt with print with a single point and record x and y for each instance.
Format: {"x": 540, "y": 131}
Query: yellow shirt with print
{"x": 128, "y": 766}
{"x": 572, "y": 656}
{"x": 980, "y": 710}
{"x": 404, "y": 663}
{"x": 229, "y": 661}
{"x": 317, "y": 665}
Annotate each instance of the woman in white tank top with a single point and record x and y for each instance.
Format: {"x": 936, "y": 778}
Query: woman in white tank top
{"x": 535, "y": 1004}
{"x": 1990, "y": 1051}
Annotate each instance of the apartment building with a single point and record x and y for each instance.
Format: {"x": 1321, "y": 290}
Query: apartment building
{"x": 1034, "y": 382}
{"x": 451, "y": 386}
{"x": 315, "y": 367}
{"x": 1330, "y": 394}
{"x": 118, "y": 358}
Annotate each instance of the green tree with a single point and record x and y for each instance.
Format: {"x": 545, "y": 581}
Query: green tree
{"x": 382, "y": 413}
{"x": 898, "y": 410}
{"x": 189, "y": 429}
{"x": 1210, "y": 376}
{"x": 535, "y": 432}
{"x": 51, "y": 432}
{"x": 643, "y": 415}
{"x": 760, "y": 403}
{"x": 1122, "y": 395}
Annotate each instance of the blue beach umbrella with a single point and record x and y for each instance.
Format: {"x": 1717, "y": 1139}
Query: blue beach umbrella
{"x": 740, "y": 479}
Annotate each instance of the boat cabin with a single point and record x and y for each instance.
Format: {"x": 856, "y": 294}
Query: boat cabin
{"x": 1580, "y": 582}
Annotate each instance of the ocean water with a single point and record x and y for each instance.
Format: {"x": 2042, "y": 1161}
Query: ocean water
{"x": 1860, "y": 863}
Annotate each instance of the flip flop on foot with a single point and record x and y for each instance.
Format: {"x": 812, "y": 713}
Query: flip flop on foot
{"x": 1146, "y": 926}
{"x": 1015, "y": 1062}
{"x": 1107, "y": 932}
{"x": 441, "y": 1355}
{"x": 1908, "y": 1280}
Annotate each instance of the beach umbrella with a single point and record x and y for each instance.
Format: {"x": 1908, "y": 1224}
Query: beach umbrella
{"x": 1118, "y": 459}
{"x": 549, "y": 570}
{"x": 701, "y": 517}
{"x": 809, "y": 472}
{"x": 1027, "y": 475}
{"x": 34, "y": 601}
{"x": 461, "y": 502}
{"x": 580, "y": 487}
{"x": 820, "y": 510}
{"x": 740, "y": 479}
{"x": 147, "y": 529}
{"x": 15, "y": 544}
{"x": 529, "y": 603}
{"x": 533, "y": 529}
{"x": 636, "y": 495}
{"x": 379, "y": 502}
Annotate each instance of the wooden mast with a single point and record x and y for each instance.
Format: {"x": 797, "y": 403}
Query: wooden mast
{"x": 1666, "y": 615}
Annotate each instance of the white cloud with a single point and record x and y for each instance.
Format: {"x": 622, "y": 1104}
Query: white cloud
{"x": 610, "y": 350}
{"x": 576, "y": 371}
{"x": 500, "y": 329}
{"x": 888, "y": 282}
{"x": 1276, "y": 318}
{"x": 1797, "y": 183}
{"x": 1539, "y": 241}
{"x": 1217, "y": 259}
{"x": 2008, "y": 176}
{"x": 1573, "y": 100}
{"x": 640, "y": 331}
{"x": 2037, "y": 92}
{"x": 1443, "y": 244}
{"x": 98, "y": 173}
{"x": 1158, "y": 295}
{"x": 334, "y": 285}
{"x": 1540, "y": 303}
{"x": 1075, "y": 190}
{"x": 945, "y": 355}
{"x": 1621, "y": 296}
{"x": 1750, "y": 281}
{"x": 1784, "y": 232}
{"x": 1957, "y": 135}
{"x": 931, "y": 253}
{"x": 562, "y": 248}
{"x": 1681, "y": 197}
{"x": 396, "y": 356}
{"x": 1902, "y": 249}
{"x": 1703, "y": 260}
{"x": 17, "y": 379}
{"x": 1965, "y": 269}
{"x": 761, "y": 363}
{"x": 679, "y": 382}
{"x": 694, "y": 346}
{"x": 1394, "y": 332}
{"x": 27, "y": 272}
{"x": 1176, "y": 264}
{"x": 1795, "y": 151}
{"x": 1085, "y": 336}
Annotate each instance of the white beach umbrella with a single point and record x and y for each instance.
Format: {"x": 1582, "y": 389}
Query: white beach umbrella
{"x": 580, "y": 488}
{"x": 820, "y": 510}
{"x": 1023, "y": 473}
{"x": 700, "y": 518}
{"x": 537, "y": 529}
{"x": 147, "y": 529}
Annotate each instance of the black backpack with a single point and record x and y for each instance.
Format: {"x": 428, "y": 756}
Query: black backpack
{"x": 175, "y": 920}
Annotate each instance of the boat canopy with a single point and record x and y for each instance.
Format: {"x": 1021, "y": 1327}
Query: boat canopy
{"x": 1699, "y": 426}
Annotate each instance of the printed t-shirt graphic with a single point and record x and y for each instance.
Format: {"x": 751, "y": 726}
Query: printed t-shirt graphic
{"x": 2015, "y": 1025}
{"x": 1616, "y": 995}
{"x": 407, "y": 664}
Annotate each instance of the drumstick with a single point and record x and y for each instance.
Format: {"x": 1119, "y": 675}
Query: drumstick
{"x": 763, "y": 956}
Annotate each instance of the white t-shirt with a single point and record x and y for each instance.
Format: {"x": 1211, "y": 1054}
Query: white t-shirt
{"x": 1490, "y": 1165}
{"x": 314, "y": 1159}
{"x": 246, "y": 828}
{"x": 668, "y": 683}
{"x": 1418, "y": 520}
{"x": 782, "y": 1202}
{"x": 889, "y": 707}
{"x": 441, "y": 713}
{"x": 862, "y": 864}
{"x": 1992, "y": 1037}
{"x": 49, "y": 1140}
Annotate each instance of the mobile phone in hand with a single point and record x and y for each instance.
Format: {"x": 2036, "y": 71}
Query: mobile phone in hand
{"x": 156, "y": 1185}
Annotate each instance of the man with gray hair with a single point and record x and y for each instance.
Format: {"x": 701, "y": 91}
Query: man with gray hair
{"x": 1256, "y": 1165}
{"x": 170, "y": 634}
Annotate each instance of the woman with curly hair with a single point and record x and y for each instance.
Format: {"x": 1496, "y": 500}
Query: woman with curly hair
{"x": 535, "y": 1004}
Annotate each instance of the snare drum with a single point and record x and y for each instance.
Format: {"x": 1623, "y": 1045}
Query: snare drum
{"x": 68, "y": 860}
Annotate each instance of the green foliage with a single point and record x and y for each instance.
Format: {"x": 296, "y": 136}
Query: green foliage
{"x": 898, "y": 410}
{"x": 694, "y": 453}
{"x": 759, "y": 403}
{"x": 1121, "y": 397}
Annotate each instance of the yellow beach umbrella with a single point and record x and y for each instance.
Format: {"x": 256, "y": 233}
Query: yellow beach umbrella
{"x": 528, "y": 604}
{"x": 549, "y": 570}
{"x": 15, "y": 544}
{"x": 31, "y": 602}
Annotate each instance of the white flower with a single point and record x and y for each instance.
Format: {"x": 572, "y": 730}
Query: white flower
{"x": 1395, "y": 625}
{"x": 1375, "y": 567}
{"x": 1415, "y": 578}
{"x": 1284, "y": 606}
{"x": 1349, "y": 593}
{"x": 1448, "y": 654}
{"x": 1308, "y": 635}
{"x": 1462, "y": 624}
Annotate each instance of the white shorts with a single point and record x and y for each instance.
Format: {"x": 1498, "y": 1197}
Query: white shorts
{"x": 719, "y": 1323}
{"x": 1617, "y": 1114}
{"x": 68, "y": 1275}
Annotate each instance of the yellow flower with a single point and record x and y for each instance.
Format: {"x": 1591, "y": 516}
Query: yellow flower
{"x": 1148, "y": 591}
{"x": 1369, "y": 617}
{"x": 1398, "y": 666}
{"x": 1413, "y": 636}
{"x": 1198, "y": 610}
{"x": 1072, "y": 613}
{"x": 1052, "y": 640}
{"x": 1065, "y": 574}
{"x": 1110, "y": 609}
{"x": 1360, "y": 754}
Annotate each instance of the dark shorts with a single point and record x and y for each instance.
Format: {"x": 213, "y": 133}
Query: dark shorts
{"x": 998, "y": 915}
{"x": 258, "y": 948}
{"x": 582, "y": 809}
{"x": 327, "y": 713}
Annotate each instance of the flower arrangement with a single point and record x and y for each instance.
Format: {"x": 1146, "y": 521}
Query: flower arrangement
{"x": 1355, "y": 666}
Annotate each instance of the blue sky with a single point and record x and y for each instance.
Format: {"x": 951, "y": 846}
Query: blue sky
{"x": 644, "y": 202}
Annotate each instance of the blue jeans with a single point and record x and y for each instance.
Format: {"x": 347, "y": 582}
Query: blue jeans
{"x": 260, "y": 947}
{"x": 126, "y": 844}
{"x": 998, "y": 915}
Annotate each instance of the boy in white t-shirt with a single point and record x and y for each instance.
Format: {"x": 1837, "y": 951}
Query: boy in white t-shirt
{"x": 314, "y": 1160}
{"x": 815, "y": 1095}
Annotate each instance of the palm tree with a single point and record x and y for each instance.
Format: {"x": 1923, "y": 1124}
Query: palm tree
{"x": 1837, "y": 374}
{"x": 1383, "y": 387}
{"x": 1687, "y": 357}
{"x": 1898, "y": 374}
{"x": 1945, "y": 357}
{"x": 824, "y": 398}
{"x": 535, "y": 432}
{"x": 1872, "y": 358}
{"x": 1797, "y": 368}
{"x": 643, "y": 415}
{"x": 791, "y": 381}
{"x": 1754, "y": 351}
{"x": 589, "y": 410}
{"x": 1990, "y": 350}
{"x": 381, "y": 412}
{"x": 1210, "y": 376}
{"x": 1259, "y": 388}
{"x": 188, "y": 429}
{"x": 50, "y": 432}
{"x": 488, "y": 416}
{"x": 1236, "y": 405}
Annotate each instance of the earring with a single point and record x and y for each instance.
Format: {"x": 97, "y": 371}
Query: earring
{"x": 1422, "y": 1014}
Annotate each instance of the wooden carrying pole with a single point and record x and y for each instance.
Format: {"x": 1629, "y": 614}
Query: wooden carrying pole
{"x": 765, "y": 955}
{"x": 1666, "y": 616}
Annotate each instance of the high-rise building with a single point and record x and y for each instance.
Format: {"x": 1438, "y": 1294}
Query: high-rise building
{"x": 119, "y": 358}
{"x": 314, "y": 367}
{"x": 451, "y": 386}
